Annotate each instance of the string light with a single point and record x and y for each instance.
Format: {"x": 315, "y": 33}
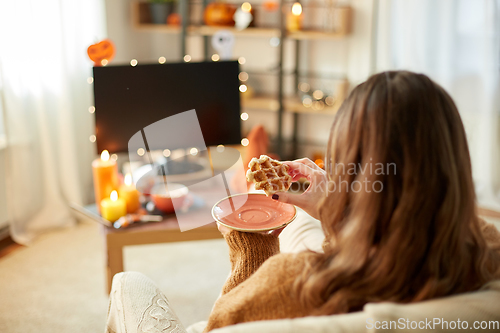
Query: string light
{"x": 243, "y": 88}
{"x": 114, "y": 157}
{"x": 141, "y": 151}
{"x": 274, "y": 42}
{"x": 187, "y": 58}
{"x": 220, "y": 148}
{"x": 297, "y": 9}
{"x": 244, "y": 116}
{"x": 246, "y": 7}
{"x": 133, "y": 62}
{"x": 242, "y": 60}
{"x": 244, "y": 142}
{"x": 91, "y": 109}
{"x": 90, "y": 80}
{"x": 167, "y": 152}
{"x": 330, "y": 100}
{"x": 243, "y": 76}
{"x": 318, "y": 105}
{"x": 304, "y": 87}
{"x": 307, "y": 102}
{"x": 318, "y": 94}
{"x": 193, "y": 151}
{"x": 92, "y": 138}
{"x": 215, "y": 57}
{"x": 162, "y": 60}
{"x": 104, "y": 62}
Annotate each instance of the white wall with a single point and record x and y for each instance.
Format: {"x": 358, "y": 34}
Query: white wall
{"x": 350, "y": 56}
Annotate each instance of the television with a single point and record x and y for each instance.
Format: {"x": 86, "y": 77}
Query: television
{"x": 129, "y": 98}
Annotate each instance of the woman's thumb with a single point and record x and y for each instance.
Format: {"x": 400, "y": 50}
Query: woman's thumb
{"x": 289, "y": 198}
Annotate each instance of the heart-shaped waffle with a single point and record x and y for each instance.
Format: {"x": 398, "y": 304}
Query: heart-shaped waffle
{"x": 269, "y": 175}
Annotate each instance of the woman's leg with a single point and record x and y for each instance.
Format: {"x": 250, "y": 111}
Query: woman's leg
{"x": 137, "y": 305}
{"x": 304, "y": 233}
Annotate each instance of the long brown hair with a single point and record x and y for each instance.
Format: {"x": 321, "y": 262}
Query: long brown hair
{"x": 402, "y": 226}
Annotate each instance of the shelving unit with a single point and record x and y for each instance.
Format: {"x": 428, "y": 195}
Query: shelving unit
{"x": 278, "y": 104}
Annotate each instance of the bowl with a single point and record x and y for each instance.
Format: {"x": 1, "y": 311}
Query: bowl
{"x": 166, "y": 197}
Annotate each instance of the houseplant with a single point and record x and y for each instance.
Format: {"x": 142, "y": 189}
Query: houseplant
{"x": 160, "y": 9}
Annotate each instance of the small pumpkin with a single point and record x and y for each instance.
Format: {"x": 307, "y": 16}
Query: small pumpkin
{"x": 219, "y": 13}
{"x": 104, "y": 50}
{"x": 174, "y": 19}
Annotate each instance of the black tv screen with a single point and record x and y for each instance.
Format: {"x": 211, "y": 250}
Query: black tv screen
{"x": 127, "y": 99}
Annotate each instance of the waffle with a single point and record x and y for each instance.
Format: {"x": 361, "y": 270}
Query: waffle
{"x": 269, "y": 175}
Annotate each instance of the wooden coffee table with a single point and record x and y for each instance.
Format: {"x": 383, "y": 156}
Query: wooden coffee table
{"x": 150, "y": 233}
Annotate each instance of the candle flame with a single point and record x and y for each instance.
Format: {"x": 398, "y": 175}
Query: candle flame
{"x": 297, "y": 9}
{"x": 128, "y": 179}
{"x": 114, "y": 196}
{"x": 105, "y": 155}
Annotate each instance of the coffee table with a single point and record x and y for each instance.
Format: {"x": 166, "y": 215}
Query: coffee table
{"x": 149, "y": 233}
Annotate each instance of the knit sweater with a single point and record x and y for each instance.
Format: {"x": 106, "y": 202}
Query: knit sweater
{"x": 260, "y": 286}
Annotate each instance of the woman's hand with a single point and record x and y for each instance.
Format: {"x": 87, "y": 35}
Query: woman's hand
{"x": 309, "y": 200}
{"x": 225, "y": 230}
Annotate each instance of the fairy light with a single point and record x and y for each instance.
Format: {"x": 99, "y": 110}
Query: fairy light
{"x": 274, "y": 42}
{"x": 133, "y": 62}
{"x": 242, "y": 60}
{"x": 246, "y": 7}
{"x": 104, "y": 62}
{"x": 297, "y": 9}
{"x": 114, "y": 157}
{"x": 105, "y": 155}
{"x": 244, "y": 116}
{"x": 162, "y": 60}
{"x": 304, "y": 87}
{"x": 91, "y": 109}
{"x": 193, "y": 151}
{"x": 243, "y": 76}
{"x": 92, "y": 138}
{"x": 243, "y": 88}
{"x": 215, "y": 57}
{"x": 220, "y": 148}
{"x": 307, "y": 102}
{"x": 167, "y": 152}
{"x": 141, "y": 152}
{"x": 330, "y": 100}
{"x": 90, "y": 80}
{"x": 318, "y": 105}
{"x": 318, "y": 94}
{"x": 187, "y": 58}
{"x": 244, "y": 142}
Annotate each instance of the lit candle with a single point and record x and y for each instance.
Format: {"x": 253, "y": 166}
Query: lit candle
{"x": 294, "y": 19}
{"x": 129, "y": 194}
{"x": 105, "y": 173}
{"x": 113, "y": 208}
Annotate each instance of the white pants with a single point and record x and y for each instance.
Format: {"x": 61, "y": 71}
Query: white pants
{"x": 137, "y": 305}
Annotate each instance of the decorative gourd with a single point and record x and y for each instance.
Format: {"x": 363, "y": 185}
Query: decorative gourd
{"x": 174, "y": 19}
{"x": 219, "y": 13}
{"x": 104, "y": 50}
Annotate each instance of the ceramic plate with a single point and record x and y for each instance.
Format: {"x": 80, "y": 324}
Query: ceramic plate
{"x": 253, "y": 212}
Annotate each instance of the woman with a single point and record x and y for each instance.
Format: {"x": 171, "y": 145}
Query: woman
{"x": 397, "y": 207}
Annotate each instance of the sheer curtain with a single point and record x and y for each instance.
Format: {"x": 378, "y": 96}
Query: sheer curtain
{"x": 457, "y": 44}
{"x": 44, "y": 100}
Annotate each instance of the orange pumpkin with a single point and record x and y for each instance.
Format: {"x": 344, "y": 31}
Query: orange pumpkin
{"x": 104, "y": 50}
{"x": 174, "y": 19}
{"x": 219, "y": 13}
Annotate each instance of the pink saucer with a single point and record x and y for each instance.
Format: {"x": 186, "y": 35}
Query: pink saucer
{"x": 253, "y": 212}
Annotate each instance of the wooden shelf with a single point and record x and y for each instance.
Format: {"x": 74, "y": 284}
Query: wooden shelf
{"x": 292, "y": 105}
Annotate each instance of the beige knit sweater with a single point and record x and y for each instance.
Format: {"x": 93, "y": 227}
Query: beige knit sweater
{"x": 260, "y": 286}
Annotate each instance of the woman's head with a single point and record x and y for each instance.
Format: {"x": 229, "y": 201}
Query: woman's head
{"x": 400, "y": 211}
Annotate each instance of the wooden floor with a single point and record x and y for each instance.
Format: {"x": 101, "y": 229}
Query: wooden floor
{"x": 8, "y": 246}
